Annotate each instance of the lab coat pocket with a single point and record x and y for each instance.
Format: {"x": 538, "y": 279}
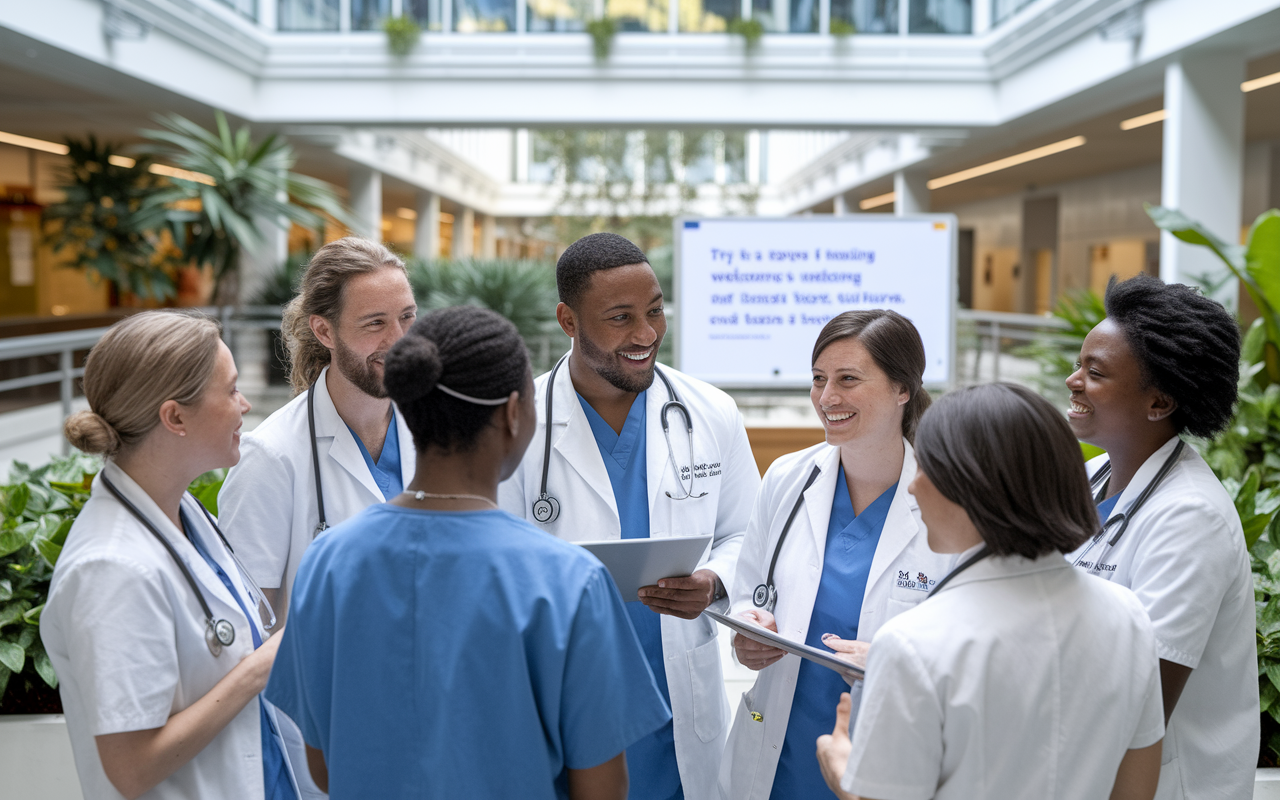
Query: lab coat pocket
{"x": 746, "y": 741}
{"x": 708, "y": 690}
{"x": 893, "y": 606}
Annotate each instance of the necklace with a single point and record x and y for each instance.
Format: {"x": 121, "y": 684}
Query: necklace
{"x": 420, "y": 496}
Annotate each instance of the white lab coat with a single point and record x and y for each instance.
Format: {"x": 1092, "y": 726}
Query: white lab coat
{"x": 588, "y": 511}
{"x": 1183, "y": 555}
{"x": 1023, "y": 679}
{"x": 902, "y": 572}
{"x": 126, "y": 635}
{"x": 268, "y": 509}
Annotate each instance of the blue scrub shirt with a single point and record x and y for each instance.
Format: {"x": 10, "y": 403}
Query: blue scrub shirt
{"x": 386, "y": 471}
{"x": 1107, "y": 506}
{"x": 456, "y": 655}
{"x": 275, "y": 776}
{"x": 846, "y": 564}
{"x": 651, "y": 762}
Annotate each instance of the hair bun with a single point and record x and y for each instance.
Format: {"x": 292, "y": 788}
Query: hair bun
{"x": 90, "y": 433}
{"x": 412, "y": 368}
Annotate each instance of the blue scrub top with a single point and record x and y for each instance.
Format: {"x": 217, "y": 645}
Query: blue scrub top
{"x": 275, "y": 776}
{"x": 1107, "y": 506}
{"x": 459, "y": 654}
{"x": 651, "y": 762}
{"x": 846, "y": 564}
{"x": 386, "y": 471}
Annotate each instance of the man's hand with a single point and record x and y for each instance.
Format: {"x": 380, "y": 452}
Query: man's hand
{"x": 752, "y": 654}
{"x": 685, "y": 598}
{"x": 833, "y": 749}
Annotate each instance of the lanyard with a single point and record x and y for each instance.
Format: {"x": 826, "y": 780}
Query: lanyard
{"x": 968, "y": 562}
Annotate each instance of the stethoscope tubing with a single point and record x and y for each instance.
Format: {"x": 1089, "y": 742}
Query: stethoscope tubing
{"x": 322, "y": 525}
{"x": 1121, "y": 519}
{"x": 766, "y": 594}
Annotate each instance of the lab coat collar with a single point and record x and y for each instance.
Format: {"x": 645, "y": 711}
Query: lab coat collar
{"x": 210, "y": 583}
{"x": 1145, "y": 474}
{"x": 819, "y": 509}
{"x": 999, "y": 567}
{"x": 900, "y": 525}
{"x": 343, "y": 447}
{"x": 572, "y": 438}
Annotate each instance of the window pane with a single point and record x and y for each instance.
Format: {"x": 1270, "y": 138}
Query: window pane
{"x": 1003, "y": 9}
{"x": 867, "y": 16}
{"x": 367, "y": 15}
{"x": 638, "y": 15}
{"x": 735, "y": 157}
{"x": 559, "y": 15}
{"x": 783, "y": 16}
{"x": 941, "y": 16}
{"x": 247, "y": 7}
{"x": 425, "y": 12}
{"x": 308, "y": 15}
{"x": 480, "y": 16}
{"x": 708, "y": 16}
{"x": 699, "y": 157}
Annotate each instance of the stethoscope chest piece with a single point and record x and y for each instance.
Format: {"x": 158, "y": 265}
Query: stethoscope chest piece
{"x": 765, "y": 597}
{"x": 546, "y": 509}
{"x": 219, "y": 634}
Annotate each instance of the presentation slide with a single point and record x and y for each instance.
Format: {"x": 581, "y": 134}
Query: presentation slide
{"x": 753, "y": 293}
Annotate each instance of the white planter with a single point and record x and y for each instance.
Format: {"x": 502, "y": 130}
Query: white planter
{"x": 35, "y": 758}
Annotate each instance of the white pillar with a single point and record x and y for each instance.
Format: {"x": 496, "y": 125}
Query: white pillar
{"x": 365, "y": 185}
{"x": 426, "y": 229}
{"x": 910, "y": 192}
{"x": 464, "y": 224}
{"x": 488, "y": 236}
{"x": 1203, "y": 162}
{"x": 839, "y": 206}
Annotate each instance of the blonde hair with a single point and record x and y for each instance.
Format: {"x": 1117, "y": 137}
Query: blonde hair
{"x": 141, "y": 363}
{"x": 320, "y": 294}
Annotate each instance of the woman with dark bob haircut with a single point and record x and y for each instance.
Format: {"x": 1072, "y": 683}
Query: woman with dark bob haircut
{"x": 1024, "y": 678}
{"x": 435, "y": 636}
{"x": 835, "y": 547}
{"x": 1164, "y": 363}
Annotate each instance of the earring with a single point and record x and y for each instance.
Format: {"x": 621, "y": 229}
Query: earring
{"x": 182, "y": 433}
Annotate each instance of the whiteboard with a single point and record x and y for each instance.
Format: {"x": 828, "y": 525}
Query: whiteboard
{"x": 753, "y": 293}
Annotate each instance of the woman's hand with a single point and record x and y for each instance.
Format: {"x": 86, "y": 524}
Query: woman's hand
{"x": 851, "y": 651}
{"x": 258, "y": 663}
{"x": 752, "y": 654}
{"x": 834, "y": 747}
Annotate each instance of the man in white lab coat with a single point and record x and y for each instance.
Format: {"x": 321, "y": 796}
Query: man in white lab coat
{"x": 340, "y": 445}
{"x": 611, "y": 471}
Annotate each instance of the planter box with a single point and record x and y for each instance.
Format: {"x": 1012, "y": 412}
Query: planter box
{"x": 35, "y": 758}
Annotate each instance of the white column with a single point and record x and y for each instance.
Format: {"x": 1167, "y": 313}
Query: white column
{"x": 464, "y": 223}
{"x": 839, "y": 207}
{"x": 1203, "y": 162}
{"x": 365, "y": 186}
{"x": 522, "y": 155}
{"x": 488, "y": 236}
{"x": 426, "y": 229}
{"x": 910, "y": 192}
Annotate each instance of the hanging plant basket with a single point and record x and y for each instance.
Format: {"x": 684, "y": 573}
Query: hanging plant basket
{"x": 403, "y": 35}
{"x": 751, "y": 31}
{"x": 602, "y": 31}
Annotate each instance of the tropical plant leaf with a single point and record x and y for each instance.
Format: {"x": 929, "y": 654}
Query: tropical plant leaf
{"x": 12, "y": 656}
{"x": 12, "y": 611}
{"x": 1262, "y": 255}
{"x": 44, "y": 668}
{"x": 15, "y": 538}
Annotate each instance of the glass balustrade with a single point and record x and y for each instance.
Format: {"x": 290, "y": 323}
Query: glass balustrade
{"x": 307, "y": 15}
{"x": 941, "y": 16}
{"x": 866, "y": 16}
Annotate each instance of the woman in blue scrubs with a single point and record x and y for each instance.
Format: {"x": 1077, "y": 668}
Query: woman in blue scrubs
{"x": 439, "y": 647}
{"x": 855, "y": 552}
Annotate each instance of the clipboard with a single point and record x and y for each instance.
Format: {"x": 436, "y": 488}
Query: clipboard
{"x": 752, "y": 631}
{"x": 643, "y": 562}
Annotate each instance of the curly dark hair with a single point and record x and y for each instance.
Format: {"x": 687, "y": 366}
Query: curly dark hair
{"x": 470, "y": 350}
{"x": 1187, "y": 344}
{"x": 590, "y": 254}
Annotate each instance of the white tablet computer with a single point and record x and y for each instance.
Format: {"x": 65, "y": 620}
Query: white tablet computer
{"x": 753, "y": 631}
{"x": 643, "y": 562}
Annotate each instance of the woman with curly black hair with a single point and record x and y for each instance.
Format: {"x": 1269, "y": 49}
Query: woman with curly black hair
{"x": 1163, "y": 363}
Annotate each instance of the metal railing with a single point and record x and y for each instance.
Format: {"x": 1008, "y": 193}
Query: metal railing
{"x": 988, "y": 333}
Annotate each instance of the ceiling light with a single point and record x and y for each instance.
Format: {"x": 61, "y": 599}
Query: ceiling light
{"x": 876, "y": 202}
{"x": 1142, "y": 119}
{"x": 1258, "y": 83}
{"x": 34, "y": 144}
{"x": 181, "y": 174}
{"x": 1005, "y": 163}
{"x": 121, "y": 161}
{"x": 406, "y": 213}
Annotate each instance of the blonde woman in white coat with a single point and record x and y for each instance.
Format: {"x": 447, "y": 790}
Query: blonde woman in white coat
{"x": 855, "y": 552}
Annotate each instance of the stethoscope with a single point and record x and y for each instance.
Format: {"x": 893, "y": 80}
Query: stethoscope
{"x": 547, "y": 508}
{"x": 1120, "y": 521}
{"x": 766, "y": 594}
{"x": 322, "y": 525}
{"x": 219, "y": 633}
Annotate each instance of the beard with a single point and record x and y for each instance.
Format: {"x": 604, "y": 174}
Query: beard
{"x": 364, "y": 375}
{"x": 599, "y": 361}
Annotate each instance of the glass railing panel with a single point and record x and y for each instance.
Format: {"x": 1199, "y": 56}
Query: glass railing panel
{"x": 708, "y": 16}
{"x": 307, "y": 15}
{"x": 940, "y": 16}
{"x": 867, "y": 16}
{"x": 425, "y": 12}
{"x": 786, "y": 16}
{"x": 484, "y": 16}
{"x": 638, "y": 16}
{"x": 367, "y": 15}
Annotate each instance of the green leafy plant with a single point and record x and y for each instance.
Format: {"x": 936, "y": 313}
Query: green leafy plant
{"x": 751, "y": 31}
{"x": 403, "y": 35}
{"x": 107, "y": 225}
{"x": 602, "y": 31}
{"x": 246, "y": 181}
{"x": 842, "y": 28}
